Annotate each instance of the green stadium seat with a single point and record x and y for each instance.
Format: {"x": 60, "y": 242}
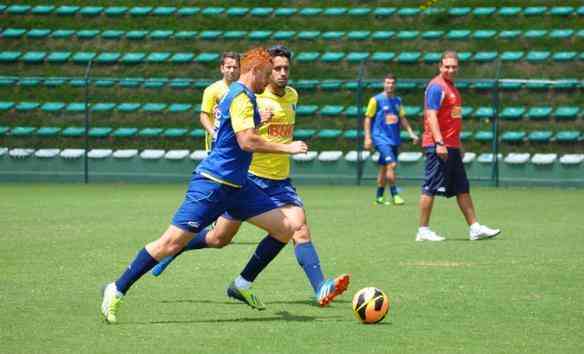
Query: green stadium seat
{"x": 483, "y": 11}
{"x": 539, "y": 137}
{"x": 62, "y": 34}
{"x": 9, "y": 57}
{"x": 308, "y": 35}
{"x": 18, "y": 9}
{"x": 132, "y": 58}
{"x": 73, "y": 132}
{"x": 353, "y": 134}
{"x": 83, "y": 57}
{"x": 234, "y": 35}
{"x": 485, "y": 57}
{"x": 285, "y": 11}
{"x": 335, "y": 11}
{"x": 464, "y": 135}
{"x": 510, "y": 85}
{"x": 567, "y": 136}
{"x": 409, "y": 11}
{"x": 332, "y": 35}
{"x": 140, "y": 11}
{"x": 164, "y": 11}
{"x": 185, "y": 35}
{"x": 212, "y": 11}
{"x": 303, "y": 57}
{"x": 382, "y": 35}
{"x": 201, "y": 84}
{"x": 407, "y": 35}
{"x": 304, "y": 133}
{"x": 537, "y": 86}
{"x": 566, "y": 113}
{"x": 537, "y": 56}
{"x": 102, "y": 107}
{"x": 464, "y": 56}
{"x": 580, "y": 11}
{"x": 284, "y": 35}
{"x": 4, "y": 131}
{"x": 237, "y": 11}
{"x": 512, "y": 113}
{"x": 128, "y": 107}
{"x": 155, "y": 83}
{"x": 513, "y": 136}
{"x": 306, "y": 110}
{"x": 105, "y": 83}
{"x": 112, "y": 34}
{"x": 310, "y": 11}
{"x": 306, "y": 85}
{"x": 569, "y": 84}
{"x": 174, "y": 133}
{"x": 6, "y": 106}
{"x": 382, "y": 56}
{"x": 206, "y": 58}
{"x": 78, "y": 82}
{"x": 259, "y": 35}
{"x": 91, "y": 11}
{"x": 458, "y": 34}
{"x": 564, "y": 56}
{"x": 115, "y": 11}
{"x": 38, "y": 33}
{"x": 188, "y": 11}
{"x": 22, "y": 131}
{"x": 539, "y": 113}
{"x": 197, "y": 133}
{"x": 67, "y": 10}
{"x": 29, "y": 82}
{"x": 261, "y": 11}
{"x": 509, "y": 34}
{"x": 352, "y": 111}
{"x": 375, "y": 85}
{"x": 181, "y": 58}
{"x": 8, "y": 81}
{"x": 131, "y": 82}
{"x": 408, "y": 57}
{"x": 210, "y": 35}
{"x": 535, "y": 34}
{"x": 179, "y": 107}
{"x": 384, "y": 11}
{"x": 157, "y": 57}
{"x": 87, "y": 34}
{"x": 359, "y": 11}
{"x": 160, "y": 34}
{"x": 534, "y": 11}
{"x": 48, "y": 132}
{"x": 331, "y": 110}
{"x": 467, "y": 111}
{"x": 509, "y": 11}
{"x": 136, "y": 35}
{"x": 150, "y": 132}
{"x": 412, "y": 111}
{"x": 432, "y": 57}
{"x": 432, "y": 35}
{"x": 33, "y": 57}
{"x": 75, "y": 107}
{"x": 561, "y": 11}
{"x": 511, "y": 56}
{"x": 358, "y": 35}
{"x": 484, "y": 34}
{"x": 483, "y": 113}
{"x": 404, "y": 85}
{"x": 459, "y": 11}
{"x": 561, "y": 33}
{"x": 42, "y": 10}
{"x": 180, "y": 83}
{"x": 330, "y": 85}
{"x": 154, "y": 107}
{"x": 356, "y": 57}
{"x": 107, "y": 58}
{"x": 12, "y": 33}
{"x": 124, "y": 132}
{"x": 52, "y": 107}
{"x": 329, "y": 134}
{"x": 99, "y": 132}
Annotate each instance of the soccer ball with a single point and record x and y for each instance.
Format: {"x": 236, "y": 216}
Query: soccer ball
{"x": 370, "y": 305}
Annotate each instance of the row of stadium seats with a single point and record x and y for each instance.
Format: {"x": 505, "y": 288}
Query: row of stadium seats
{"x": 540, "y": 136}
{"x": 209, "y": 35}
{"x": 408, "y": 57}
{"x": 323, "y": 156}
{"x": 141, "y": 11}
{"x": 507, "y": 113}
{"x": 304, "y": 85}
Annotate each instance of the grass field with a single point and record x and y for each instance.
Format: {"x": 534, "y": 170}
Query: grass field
{"x": 521, "y": 292}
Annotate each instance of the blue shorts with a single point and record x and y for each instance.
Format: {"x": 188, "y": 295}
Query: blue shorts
{"x": 206, "y": 200}
{"x": 446, "y": 178}
{"x": 387, "y": 153}
{"x": 281, "y": 192}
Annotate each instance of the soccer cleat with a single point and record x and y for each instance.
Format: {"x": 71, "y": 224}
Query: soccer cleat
{"x": 397, "y": 200}
{"x": 112, "y": 299}
{"x": 331, "y": 288}
{"x": 380, "y": 201}
{"x": 246, "y": 296}
{"x": 482, "y": 232}
{"x": 428, "y": 235}
{"x": 161, "y": 266}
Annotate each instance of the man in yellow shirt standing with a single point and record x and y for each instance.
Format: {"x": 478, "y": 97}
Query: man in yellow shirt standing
{"x": 271, "y": 172}
{"x": 214, "y": 93}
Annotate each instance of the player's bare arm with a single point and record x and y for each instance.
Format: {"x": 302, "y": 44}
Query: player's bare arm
{"x": 432, "y": 117}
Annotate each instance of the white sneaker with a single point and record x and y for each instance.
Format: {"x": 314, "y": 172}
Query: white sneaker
{"x": 112, "y": 300}
{"x": 482, "y": 232}
{"x": 428, "y": 235}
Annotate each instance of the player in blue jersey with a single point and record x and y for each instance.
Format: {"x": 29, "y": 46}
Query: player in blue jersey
{"x": 383, "y": 118}
{"x": 219, "y": 184}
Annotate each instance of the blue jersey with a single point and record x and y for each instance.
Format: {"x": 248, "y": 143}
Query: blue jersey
{"x": 385, "y": 125}
{"x": 228, "y": 163}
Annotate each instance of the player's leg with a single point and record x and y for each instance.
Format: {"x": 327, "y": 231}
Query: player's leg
{"x": 434, "y": 180}
{"x": 381, "y": 183}
{"x": 391, "y": 177}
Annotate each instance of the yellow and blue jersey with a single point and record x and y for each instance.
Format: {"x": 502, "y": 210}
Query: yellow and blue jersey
{"x": 227, "y": 163}
{"x": 385, "y": 113}
{"x": 211, "y": 97}
{"x": 279, "y": 129}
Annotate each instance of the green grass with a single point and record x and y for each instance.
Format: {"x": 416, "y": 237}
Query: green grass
{"x": 518, "y": 293}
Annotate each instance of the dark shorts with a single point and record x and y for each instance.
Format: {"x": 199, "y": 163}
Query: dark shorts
{"x": 445, "y": 178}
{"x": 206, "y": 200}
{"x": 280, "y": 192}
{"x": 387, "y": 154}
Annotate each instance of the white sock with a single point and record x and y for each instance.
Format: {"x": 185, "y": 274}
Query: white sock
{"x": 424, "y": 229}
{"x": 240, "y": 282}
{"x": 475, "y": 225}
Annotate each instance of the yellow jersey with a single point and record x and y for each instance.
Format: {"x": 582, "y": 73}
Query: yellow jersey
{"x": 279, "y": 129}
{"x": 211, "y": 97}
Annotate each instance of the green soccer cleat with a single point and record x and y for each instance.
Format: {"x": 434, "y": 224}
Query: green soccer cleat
{"x": 112, "y": 299}
{"x": 246, "y": 296}
{"x": 380, "y": 201}
{"x": 397, "y": 200}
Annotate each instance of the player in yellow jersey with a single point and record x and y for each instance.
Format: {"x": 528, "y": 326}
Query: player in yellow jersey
{"x": 229, "y": 68}
{"x": 270, "y": 172}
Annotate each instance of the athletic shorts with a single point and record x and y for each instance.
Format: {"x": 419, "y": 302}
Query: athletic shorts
{"x": 281, "y": 192}
{"x": 206, "y": 200}
{"x": 387, "y": 153}
{"x": 445, "y": 178}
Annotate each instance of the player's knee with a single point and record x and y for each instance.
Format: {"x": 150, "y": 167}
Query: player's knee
{"x": 217, "y": 242}
{"x": 302, "y": 234}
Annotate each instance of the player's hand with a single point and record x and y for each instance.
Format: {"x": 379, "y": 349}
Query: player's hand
{"x": 367, "y": 144}
{"x": 266, "y": 115}
{"x": 415, "y": 139}
{"x": 297, "y": 147}
{"x": 442, "y": 152}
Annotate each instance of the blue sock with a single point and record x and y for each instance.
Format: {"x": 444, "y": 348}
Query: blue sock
{"x": 266, "y": 251}
{"x": 309, "y": 261}
{"x": 393, "y": 190}
{"x": 380, "y": 191}
{"x": 139, "y": 266}
{"x": 199, "y": 241}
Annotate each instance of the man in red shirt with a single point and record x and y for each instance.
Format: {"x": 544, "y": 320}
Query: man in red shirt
{"x": 444, "y": 172}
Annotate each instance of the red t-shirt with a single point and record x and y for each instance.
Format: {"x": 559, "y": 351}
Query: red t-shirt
{"x": 443, "y": 97}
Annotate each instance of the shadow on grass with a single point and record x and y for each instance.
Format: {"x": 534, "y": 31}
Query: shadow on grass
{"x": 278, "y": 316}
{"x": 229, "y": 302}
